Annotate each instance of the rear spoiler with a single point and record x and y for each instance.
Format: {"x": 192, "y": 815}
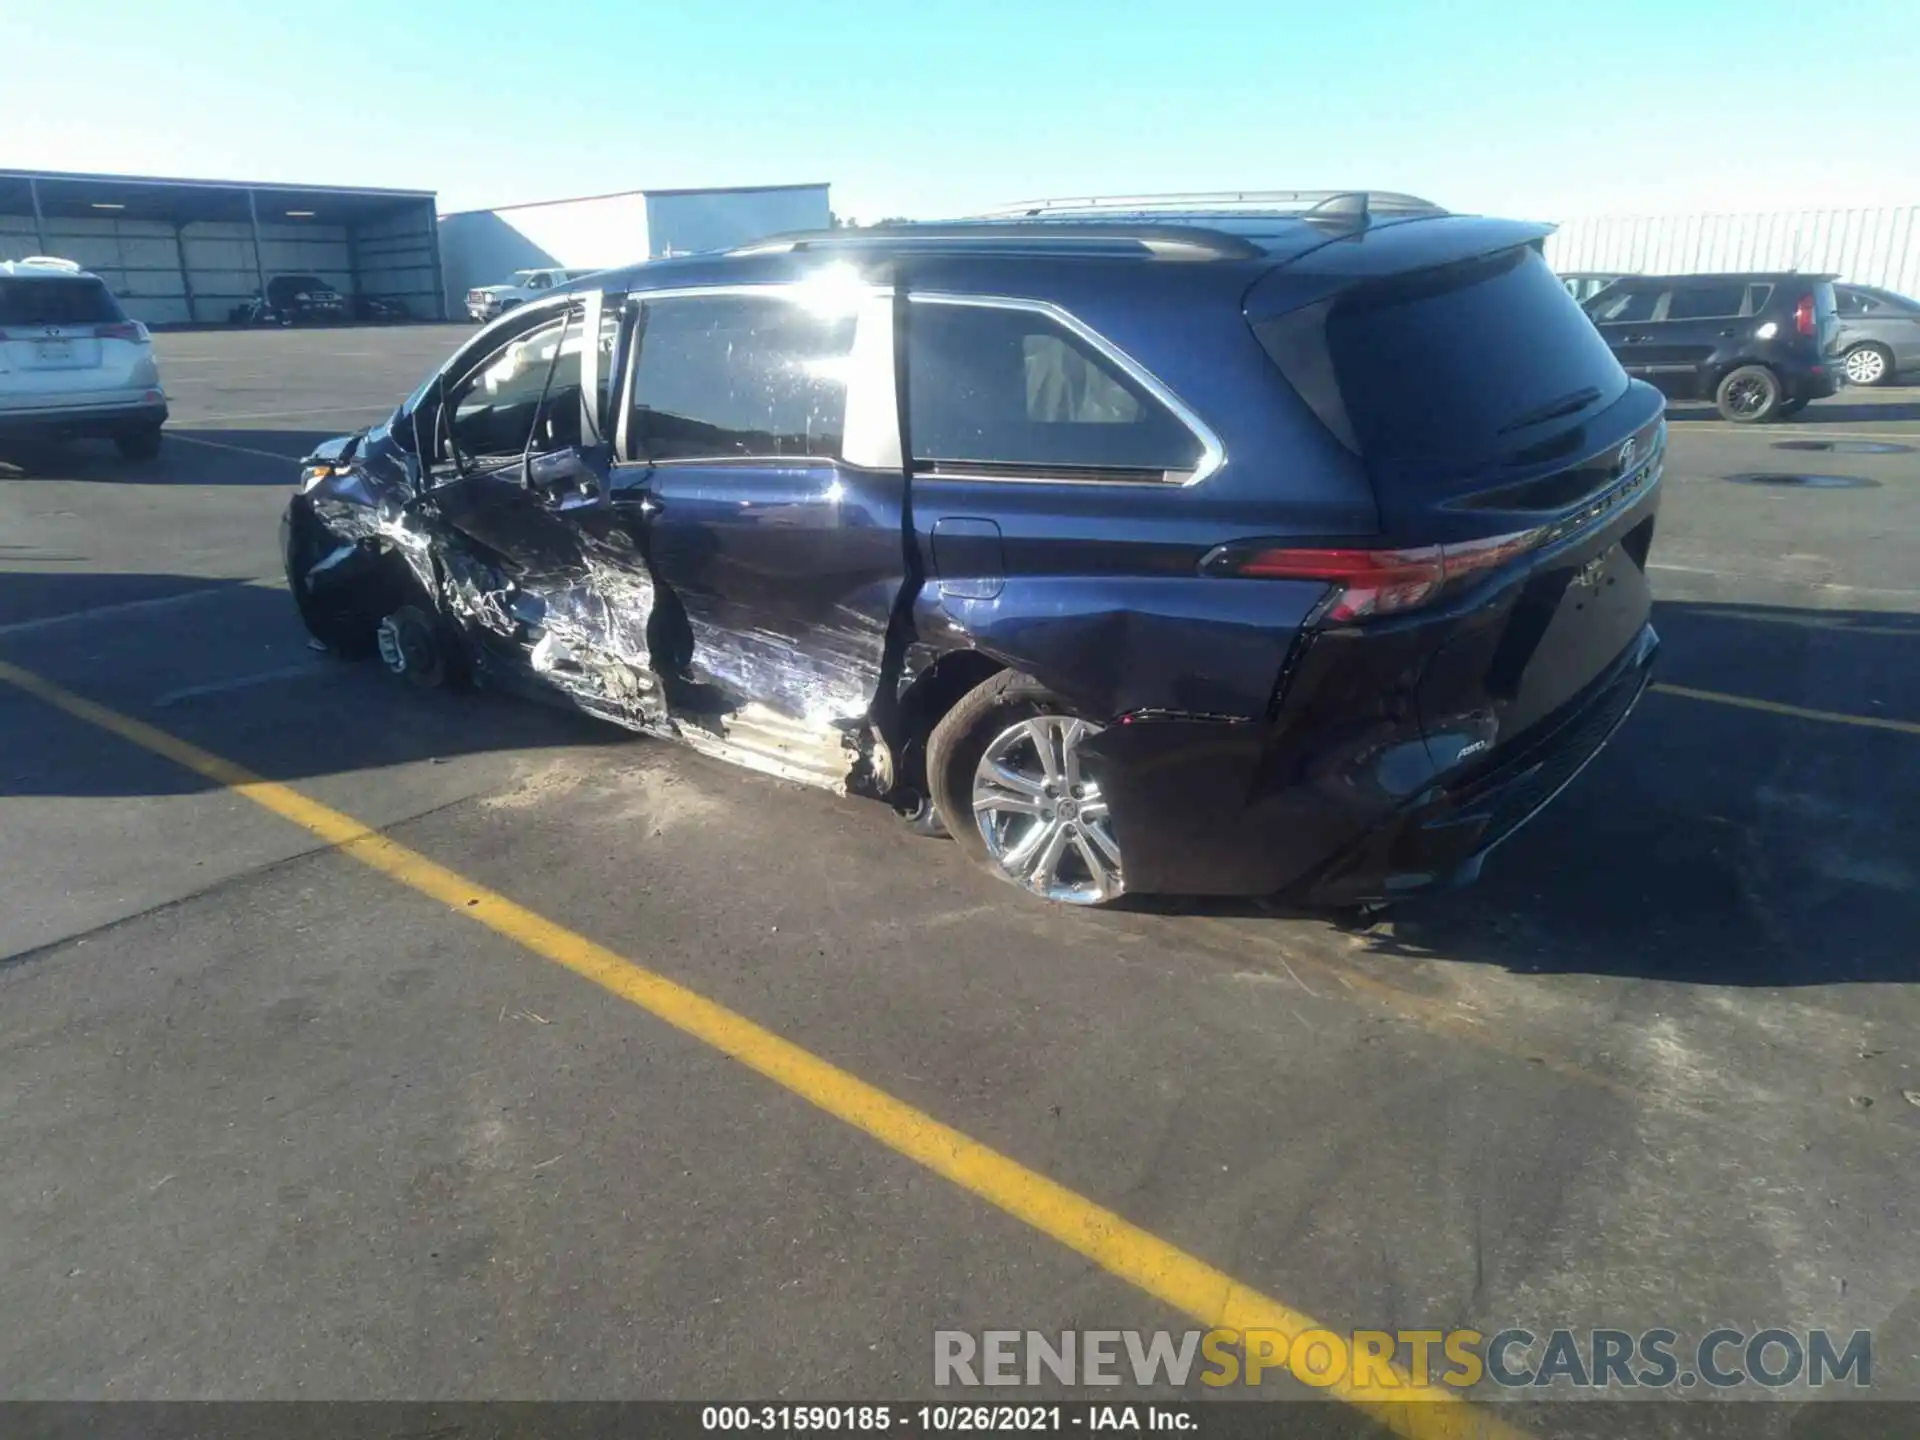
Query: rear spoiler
{"x": 1381, "y": 251}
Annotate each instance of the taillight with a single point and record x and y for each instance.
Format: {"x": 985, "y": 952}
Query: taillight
{"x": 122, "y": 330}
{"x": 1803, "y": 315}
{"x": 1370, "y": 582}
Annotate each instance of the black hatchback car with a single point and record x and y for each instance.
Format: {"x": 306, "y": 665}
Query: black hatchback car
{"x": 1759, "y": 345}
{"x": 1250, "y": 544}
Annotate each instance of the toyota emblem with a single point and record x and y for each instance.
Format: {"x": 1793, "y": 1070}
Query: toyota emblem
{"x": 1627, "y": 453}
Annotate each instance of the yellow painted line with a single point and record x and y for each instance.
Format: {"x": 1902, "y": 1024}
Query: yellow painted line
{"x": 1798, "y": 712}
{"x": 1190, "y": 1285}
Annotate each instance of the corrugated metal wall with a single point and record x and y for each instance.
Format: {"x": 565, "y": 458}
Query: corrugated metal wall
{"x": 220, "y": 267}
{"x": 1870, "y": 247}
{"x": 139, "y": 259}
{"x": 397, "y": 258}
{"x": 485, "y": 247}
{"x": 198, "y": 272}
{"x": 681, "y": 224}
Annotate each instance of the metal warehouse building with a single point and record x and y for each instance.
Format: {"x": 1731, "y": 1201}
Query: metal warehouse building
{"x": 188, "y": 251}
{"x": 1868, "y": 247}
{"x": 597, "y": 232}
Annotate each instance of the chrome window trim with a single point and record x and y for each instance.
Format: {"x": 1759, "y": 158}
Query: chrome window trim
{"x": 1213, "y": 454}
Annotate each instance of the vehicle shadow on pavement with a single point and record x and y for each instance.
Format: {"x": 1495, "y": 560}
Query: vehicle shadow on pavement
{"x": 227, "y": 666}
{"x": 188, "y": 456}
{"x": 1715, "y": 844}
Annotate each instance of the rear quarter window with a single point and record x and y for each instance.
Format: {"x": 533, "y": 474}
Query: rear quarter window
{"x": 998, "y": 387}
{"x": 1446, "y": 366}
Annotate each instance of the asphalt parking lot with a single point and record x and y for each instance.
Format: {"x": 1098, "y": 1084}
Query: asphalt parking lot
{"x": 289, "y": 1114}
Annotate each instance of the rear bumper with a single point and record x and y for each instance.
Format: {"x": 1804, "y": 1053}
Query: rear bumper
{"x": 1808, "y": 385}
{"x": 81, "y": 421}
{"x": 1441, "y": 838}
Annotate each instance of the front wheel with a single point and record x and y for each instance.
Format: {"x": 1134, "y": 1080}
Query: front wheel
{"x": 1748, "y": 395}
{"x": 1014, "y": 786}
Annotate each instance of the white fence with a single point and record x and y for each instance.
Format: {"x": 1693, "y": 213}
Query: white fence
{"x": 1869, "y": 247}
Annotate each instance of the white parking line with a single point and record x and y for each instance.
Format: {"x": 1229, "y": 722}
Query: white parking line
{"x": 370, "y": 407}
{"x": 1792, "y": 432}
{"x": 1780, "y": 580}
{"x": 237, "y": 449}
{"x": 128, "y": 607}
{"x": 239, "y": 682}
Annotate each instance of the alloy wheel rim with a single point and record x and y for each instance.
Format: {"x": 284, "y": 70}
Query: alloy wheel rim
{"x": 1043, "y": 816}
{"x": 1865, "y": 366}
{"x": 1746, "y": 397}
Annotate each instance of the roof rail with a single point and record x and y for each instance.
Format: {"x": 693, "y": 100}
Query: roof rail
{"x": 1160, "y": 241}
{"x": 1291, "y": 202}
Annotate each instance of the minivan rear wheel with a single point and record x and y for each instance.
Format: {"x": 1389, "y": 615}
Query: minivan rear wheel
{"x": 1015, "y": 788}
{"x": 1748, "y": 395}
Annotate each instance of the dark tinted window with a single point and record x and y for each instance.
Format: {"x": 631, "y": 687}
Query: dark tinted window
{"x": 1757, "y": 297}
{"x": 1852, "y": 302}
{"x": 1624, "y": 306}
{"x": 737, "y": 376}
{"x": 1466, "y": 361}
{"x": 1706, "y": 302}
{"x": 79, "y": 301}
{"x": 1005, "y": 387}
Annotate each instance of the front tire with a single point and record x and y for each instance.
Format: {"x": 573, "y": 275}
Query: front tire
{"x": 1016, "y": 790}
{"x": 1748, "y": 395}
{"x": 1868, "y": 365}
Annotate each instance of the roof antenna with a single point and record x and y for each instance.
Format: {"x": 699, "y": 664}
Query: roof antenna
{"x": 1348, "y": 207}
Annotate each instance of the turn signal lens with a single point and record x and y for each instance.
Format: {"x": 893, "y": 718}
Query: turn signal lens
{"x": 1371, "y": 582}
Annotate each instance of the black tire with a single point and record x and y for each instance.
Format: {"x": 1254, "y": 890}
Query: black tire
{"x": 1792, "y": 407}
{"x": 1885, "y": 356}
{"x": 141, "y": 443}
{"x": 1748, "y": 395}
{"x": 346, "y": 619}
{"x": 1072, "y": 868}
{"x": 415, "y": 647}
{"x": 920, "y": 817}
{"x": 961, "y": 738}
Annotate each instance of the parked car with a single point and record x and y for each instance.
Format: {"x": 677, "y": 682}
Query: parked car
{"x": 292, "y": 300}
{"x": 1583, "y": 285}
{"x": 1879, "y": 334}
{"x": 484, "y": 302}
{"x": 1223, "y": 558}
{"x": 71, "y": 363}
{"x": 1759, "y": 345}
{"x": 380, "y": 309}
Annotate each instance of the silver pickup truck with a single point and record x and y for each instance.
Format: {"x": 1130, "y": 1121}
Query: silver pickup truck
{"x": 486, "y": 301}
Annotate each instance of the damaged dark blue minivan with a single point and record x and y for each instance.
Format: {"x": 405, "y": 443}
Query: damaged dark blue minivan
{"x": 1280, "y": 544}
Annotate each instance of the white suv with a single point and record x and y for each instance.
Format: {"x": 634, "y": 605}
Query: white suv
{"x": 72, "y": 363}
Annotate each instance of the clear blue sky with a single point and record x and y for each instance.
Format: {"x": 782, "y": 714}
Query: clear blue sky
{"x": 926, "y": 107}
